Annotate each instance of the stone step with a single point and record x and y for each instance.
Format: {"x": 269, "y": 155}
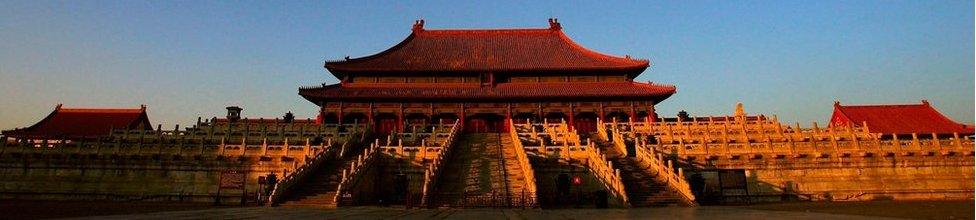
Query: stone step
{"x": 319, "y": 189}
{"x": 644, "y": 188}
{"x": 328, "y": 204}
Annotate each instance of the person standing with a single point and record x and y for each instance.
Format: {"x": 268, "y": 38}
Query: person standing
{"x": 272, "y": 181}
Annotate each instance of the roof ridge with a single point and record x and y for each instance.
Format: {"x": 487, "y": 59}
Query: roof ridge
{"x": 501, "y": 30}
{"x": 883, "y": 105}
{"x": 101, "y": 110}
{"x": 596, "y": 82}
{"x": 410, "y": 85}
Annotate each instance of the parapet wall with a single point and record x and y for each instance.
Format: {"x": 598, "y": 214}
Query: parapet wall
{"x": 129, "y": 179}
{"x": 162, "y": 165}
{"x": 775, "y": 162}
{"x": 854, "y": 179}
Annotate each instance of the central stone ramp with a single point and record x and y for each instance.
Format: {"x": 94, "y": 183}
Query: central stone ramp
{"x": 483, "y": 172}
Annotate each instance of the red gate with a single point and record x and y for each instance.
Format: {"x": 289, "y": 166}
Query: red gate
{"x": 477, "y": 125}
{"x": 386, "y": 126}
{"x": 584, "y": 125}
{"x": 485, "y": 125}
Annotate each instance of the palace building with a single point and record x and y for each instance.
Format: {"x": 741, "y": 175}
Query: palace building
{"x": 483, "y": 77}
{"x": 902, "y": 120}
{"x": 81, "y": 124}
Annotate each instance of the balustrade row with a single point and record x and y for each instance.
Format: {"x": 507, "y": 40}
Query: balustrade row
{"x": 523, "y": 161}
{"x": 524, "y": 136}
{"x": 435, "y": 167}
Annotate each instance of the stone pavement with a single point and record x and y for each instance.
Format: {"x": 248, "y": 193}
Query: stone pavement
{"x": 470, "y": 214}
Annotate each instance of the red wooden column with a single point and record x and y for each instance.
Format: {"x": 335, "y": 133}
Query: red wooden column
{"x": 600, "y": 111}
{"x": 321, "y": 118}
{"x": 652, "y": 113}
{"x": 572, "y": 116}
{"x": 461, "y": 117}
{"x": 430, "y": 114}
{"x": 540, "y": 115}
{"x": 369, "y": 118}
{"x": 338, "y": 113}
{"x": 508, "y": 118}
{"x": 399, "y": 127}
{"x": 632, "y": 114}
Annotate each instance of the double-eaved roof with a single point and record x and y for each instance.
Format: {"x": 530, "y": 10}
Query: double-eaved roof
{"x": 507, "y": 51}
{"x": 76, "y": 123}
{"x": 902, "y": 119}
{"x": 498, "y": 50}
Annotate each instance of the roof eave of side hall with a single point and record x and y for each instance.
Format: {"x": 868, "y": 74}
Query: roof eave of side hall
{"x": 30, "y": 130}
{"x": 627, "y": 64}
{"x": 843, "y": 110}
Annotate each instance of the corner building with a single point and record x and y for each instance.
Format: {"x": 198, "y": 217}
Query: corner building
{"x": 484, "y": 77}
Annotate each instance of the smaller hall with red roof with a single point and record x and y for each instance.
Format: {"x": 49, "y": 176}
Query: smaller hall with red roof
{"x": 902, "y": 120}
{"x": 81, "y": 124}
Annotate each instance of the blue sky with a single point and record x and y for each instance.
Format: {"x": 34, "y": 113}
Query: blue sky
{"x": 186, "y": 59}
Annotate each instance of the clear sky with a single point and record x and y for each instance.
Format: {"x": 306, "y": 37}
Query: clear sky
{"x": 186, "y": 59}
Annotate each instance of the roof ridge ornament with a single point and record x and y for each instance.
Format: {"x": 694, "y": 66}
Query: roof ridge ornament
{"x": 418, "y": 25}
{"x": 554, "y": 24}
{"x": 740, "y": 111}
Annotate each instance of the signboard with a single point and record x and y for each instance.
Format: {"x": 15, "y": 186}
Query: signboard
{"x": 732, "y": 179}
{"x": 232, "y": 179}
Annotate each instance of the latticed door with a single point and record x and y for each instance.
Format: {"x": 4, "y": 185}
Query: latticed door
{"x": 477, "y": 125}
{"x": 386, "y": 126}
{"x": 585, "y": 125}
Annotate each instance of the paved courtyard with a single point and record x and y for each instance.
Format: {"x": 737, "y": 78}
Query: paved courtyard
{"x": 470, "y": 214}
